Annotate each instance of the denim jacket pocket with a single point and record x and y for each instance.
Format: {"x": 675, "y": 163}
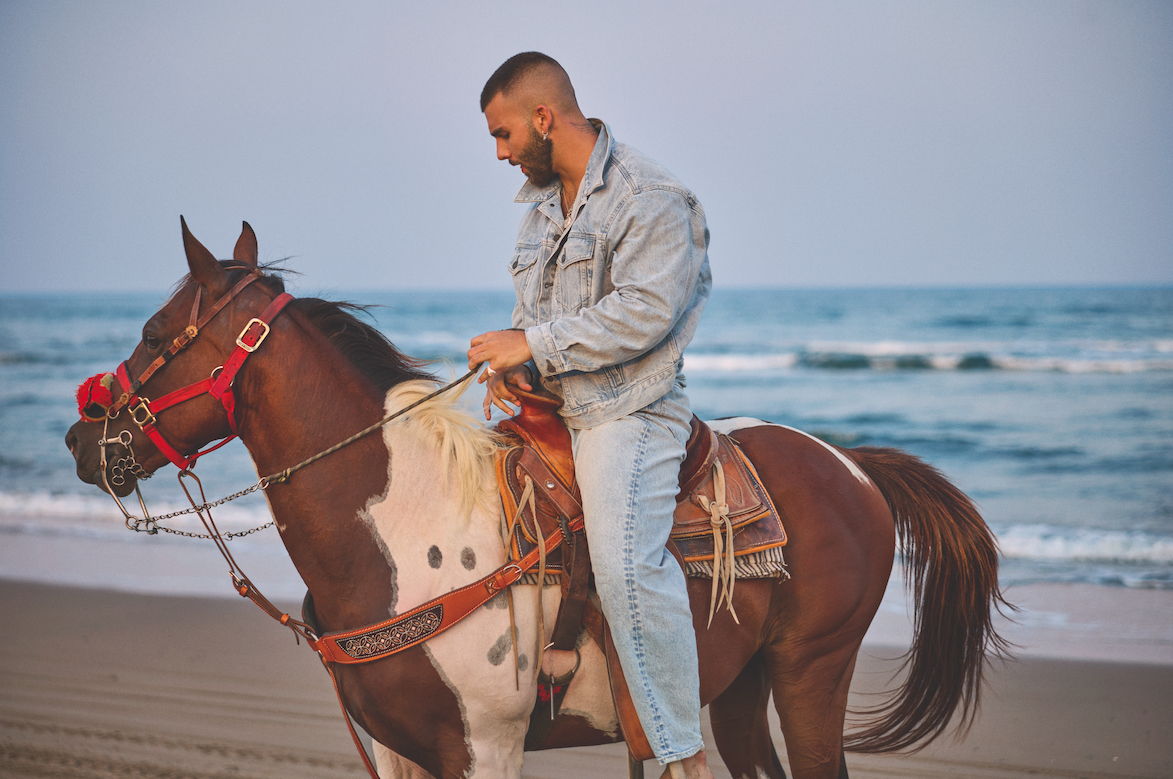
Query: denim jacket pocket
{"x": 525, "y": 259}
{"x": 575, "y": 272}
{"x": 524, "y": 256}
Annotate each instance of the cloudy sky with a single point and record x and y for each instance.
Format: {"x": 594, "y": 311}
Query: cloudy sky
{"x": 832, "y": 143}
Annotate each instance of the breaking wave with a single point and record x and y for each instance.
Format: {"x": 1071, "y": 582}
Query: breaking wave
{"x": 1047, "y": 542}
{"x": 1115, "y": 358}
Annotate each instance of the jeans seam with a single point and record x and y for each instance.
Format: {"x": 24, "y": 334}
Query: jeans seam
{"x": 630, "y": 584}
{"x": 680, "y": 755}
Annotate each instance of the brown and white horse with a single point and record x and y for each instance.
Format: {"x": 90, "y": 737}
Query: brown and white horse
{"x": 396, "y": 519}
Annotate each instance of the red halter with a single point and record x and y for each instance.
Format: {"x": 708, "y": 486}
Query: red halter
{"x": 143, "y": 410}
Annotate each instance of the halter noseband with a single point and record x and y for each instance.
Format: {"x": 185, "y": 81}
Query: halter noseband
{"x": 96, "y": 393}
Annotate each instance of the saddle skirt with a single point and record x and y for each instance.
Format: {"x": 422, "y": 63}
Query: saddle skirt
{"x": 726, "y": 526}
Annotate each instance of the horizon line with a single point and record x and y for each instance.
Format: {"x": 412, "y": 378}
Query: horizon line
{"x": 927, "y": 287}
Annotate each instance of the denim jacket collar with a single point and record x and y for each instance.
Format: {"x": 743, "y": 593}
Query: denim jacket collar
{"x": 591, "y": 180}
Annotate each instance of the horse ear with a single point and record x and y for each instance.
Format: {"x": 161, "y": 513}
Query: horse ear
{"x": 246, "y": 246}
{"x": 204, "y": 267}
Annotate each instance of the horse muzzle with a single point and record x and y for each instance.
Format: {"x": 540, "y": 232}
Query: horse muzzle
{"x": 106, "y": 461}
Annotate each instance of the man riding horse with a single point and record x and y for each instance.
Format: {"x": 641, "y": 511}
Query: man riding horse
{"x": 611, "y": 274}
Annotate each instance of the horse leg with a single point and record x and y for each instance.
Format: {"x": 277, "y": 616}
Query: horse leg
{"x": 810, "y": 695}
{"x": 393, "y": 766}
{"x": 840, "y": 559}
{"x": 740, "y": 727}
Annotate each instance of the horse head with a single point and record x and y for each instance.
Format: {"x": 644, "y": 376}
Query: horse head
{"x": 164, "y": 402}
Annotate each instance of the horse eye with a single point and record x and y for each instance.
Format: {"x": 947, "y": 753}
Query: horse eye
{"x": 151, "y": 342}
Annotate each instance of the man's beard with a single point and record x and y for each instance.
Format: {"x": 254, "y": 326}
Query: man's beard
{"x": 538, "y": 159}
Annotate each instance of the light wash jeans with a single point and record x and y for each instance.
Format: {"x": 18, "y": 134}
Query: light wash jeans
{"x": 628, "y": 471}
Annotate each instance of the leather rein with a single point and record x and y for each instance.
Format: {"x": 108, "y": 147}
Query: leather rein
{"x": 359, "y": 645}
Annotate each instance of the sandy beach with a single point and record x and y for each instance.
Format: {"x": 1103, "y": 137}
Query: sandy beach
{"x": 112, "y": 684}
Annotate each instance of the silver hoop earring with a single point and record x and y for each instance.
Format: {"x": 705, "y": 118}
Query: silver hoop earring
{"x": 545, "y": 136}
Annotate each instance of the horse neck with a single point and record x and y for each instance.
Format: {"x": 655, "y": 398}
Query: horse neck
{"x": 435, "y": 524}
{"x": 299, "y": 398}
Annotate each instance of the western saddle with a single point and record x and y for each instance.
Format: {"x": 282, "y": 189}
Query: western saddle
{"x": 723, "y": 516}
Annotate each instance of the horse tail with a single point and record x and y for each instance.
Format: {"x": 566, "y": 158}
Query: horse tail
{"x": 951, "y": 564}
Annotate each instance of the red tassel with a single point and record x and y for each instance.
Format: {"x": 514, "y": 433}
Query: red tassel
{"x": 95, "y": 396}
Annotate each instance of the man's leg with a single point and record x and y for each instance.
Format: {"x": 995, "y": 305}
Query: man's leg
{"x": 628, "y": 471}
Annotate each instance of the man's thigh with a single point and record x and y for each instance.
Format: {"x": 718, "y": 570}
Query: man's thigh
{"x": 628, "y": 471}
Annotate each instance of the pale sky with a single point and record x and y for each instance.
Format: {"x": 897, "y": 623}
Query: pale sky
{"x": 832, "y": 143}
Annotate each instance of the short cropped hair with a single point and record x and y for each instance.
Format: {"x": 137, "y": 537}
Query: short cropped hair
{"x": 512, "y": 71}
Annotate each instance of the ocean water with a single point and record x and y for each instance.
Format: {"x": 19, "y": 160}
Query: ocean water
{"x": 1052, "y": 408}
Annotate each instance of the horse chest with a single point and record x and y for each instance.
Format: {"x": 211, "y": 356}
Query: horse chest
{"x": 433, "y": 547}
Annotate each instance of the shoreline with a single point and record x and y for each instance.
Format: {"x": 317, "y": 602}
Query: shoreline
{"x": 1079, "y": 621}
{"x": 106, "y": 683}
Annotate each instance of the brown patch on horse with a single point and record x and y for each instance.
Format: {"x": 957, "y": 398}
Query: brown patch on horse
{"x": 428, "y": 729}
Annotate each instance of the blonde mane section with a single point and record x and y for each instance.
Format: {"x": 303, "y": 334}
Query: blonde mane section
{"x": 464, "y": 445}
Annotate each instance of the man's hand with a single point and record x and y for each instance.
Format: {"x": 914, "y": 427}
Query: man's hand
{"x": 501, "y": 349}
{"x": 499, "y": 390}
{"x": 506, "y": 352}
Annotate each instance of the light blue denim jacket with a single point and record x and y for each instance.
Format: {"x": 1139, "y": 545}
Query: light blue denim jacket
{"x": 609, "y": 305}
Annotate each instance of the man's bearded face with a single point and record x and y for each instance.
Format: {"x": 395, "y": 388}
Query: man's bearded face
{"x": 537, "y": 159}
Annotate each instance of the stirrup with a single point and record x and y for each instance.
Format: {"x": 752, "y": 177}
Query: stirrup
{"x": 553, "y": 688}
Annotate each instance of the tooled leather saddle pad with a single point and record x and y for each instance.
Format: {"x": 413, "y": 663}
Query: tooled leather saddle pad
{"x": 541, "y": 456}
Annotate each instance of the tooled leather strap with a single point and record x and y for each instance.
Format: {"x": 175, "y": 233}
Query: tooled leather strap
{"x": 374, "y": 642}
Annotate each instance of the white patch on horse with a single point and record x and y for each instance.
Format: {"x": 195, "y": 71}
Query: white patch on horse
{"x": 440, "y": 504}
{"x": 728, "y": 426}
{"x": 393, "y": 766}
{"x": 589, "y": 694}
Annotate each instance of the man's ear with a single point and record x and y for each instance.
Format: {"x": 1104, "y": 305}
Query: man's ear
{"x": 543, "y": 119}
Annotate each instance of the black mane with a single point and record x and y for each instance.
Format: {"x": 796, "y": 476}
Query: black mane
{"x": 367, "y": 348}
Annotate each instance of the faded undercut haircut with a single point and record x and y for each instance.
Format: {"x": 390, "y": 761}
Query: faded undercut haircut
{"x": 517, "y": 68}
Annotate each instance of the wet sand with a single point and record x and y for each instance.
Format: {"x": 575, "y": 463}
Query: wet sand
{"x": 100, "y": 683}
